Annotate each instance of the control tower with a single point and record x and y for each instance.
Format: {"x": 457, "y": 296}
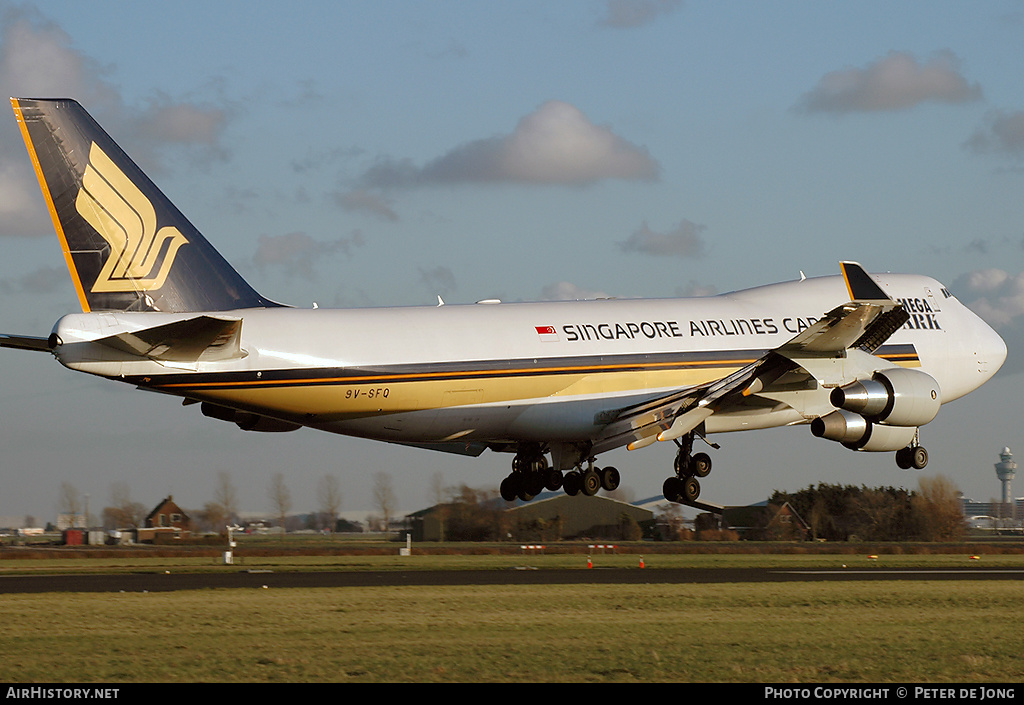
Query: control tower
{"x": 1005, "y": 471}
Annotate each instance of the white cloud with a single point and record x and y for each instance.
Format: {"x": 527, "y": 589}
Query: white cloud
{"x": 683, "y": 241}
{"x": 556, "y": 144}
{"x": 623, "y": 14}
{"x": 1002, "y": 133}
{"x": 297, "y": 254}
{"x": 995, "y": 295}
{"x": 439, "y": 280}
{"x": 998, "y": 297}
{"x": 365, "y": 201}
{"x": 895, "y": 82}
{"x": 567, "y": 291}
{"x": 38, "y": 59}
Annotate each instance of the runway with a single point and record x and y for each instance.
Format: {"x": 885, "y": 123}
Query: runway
{"x": 258, "y": 579}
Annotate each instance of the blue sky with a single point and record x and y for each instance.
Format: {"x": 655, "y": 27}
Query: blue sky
{"x": 385, "y": 153}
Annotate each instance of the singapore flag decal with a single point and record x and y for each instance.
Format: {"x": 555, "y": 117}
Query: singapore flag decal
{"x": 547, "y": 334}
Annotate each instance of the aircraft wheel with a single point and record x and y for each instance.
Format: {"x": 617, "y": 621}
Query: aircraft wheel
{"x": 681, "y": 465}
{"x": 919, "y": 458}
{"x": 904, "y": 459}
{"x": 591, "y": 482}
{"x": 610, "y": 479}
{"x": 509, "y": 488}
{"x": 533, "y": 482}
{"x": 672, "y": 489}
{"x": 700, "y": 465}
{"x": 691, "y": 489}
{"x": 572, "y": 483}
{"x": 553, "y": 479}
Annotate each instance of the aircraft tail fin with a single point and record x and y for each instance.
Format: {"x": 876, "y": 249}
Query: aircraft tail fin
{"x": 126, "y": 245}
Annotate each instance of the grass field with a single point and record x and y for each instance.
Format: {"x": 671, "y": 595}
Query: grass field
{"x": 951, "y": 632}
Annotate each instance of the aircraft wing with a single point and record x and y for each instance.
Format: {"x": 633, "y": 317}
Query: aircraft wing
{"x": 865, "y": 323}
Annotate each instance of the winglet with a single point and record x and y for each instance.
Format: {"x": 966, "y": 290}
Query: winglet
{"x": 860, "y": 284}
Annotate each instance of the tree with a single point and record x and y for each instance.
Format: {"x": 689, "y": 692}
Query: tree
{"x": 329, "y": 493}
{"x": 441, "y": 507}
{"x": 213, "y": 517}
{"x": 472, "y": 515}
{"x": 629, "y": 529}
{"x": 70, "y": 503}
{"x": 671, "y": 518}
{"x": 123, "y": 512}
{"x": 384, "y": 497}
{"x": 226, "y": 495}
{"x": 877, "y": 515}
{"x": 938, "y": 513}
{"x": 280, "y": 498}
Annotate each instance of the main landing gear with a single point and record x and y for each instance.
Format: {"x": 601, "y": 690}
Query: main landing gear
{"x": 684, "y": 487}
{"x": 531, "y": 475}
{"x": 913, "y": 456}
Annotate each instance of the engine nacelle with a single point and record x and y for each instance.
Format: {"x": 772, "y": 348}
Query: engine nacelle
{"x": 894, "y": 397}
{"x": 857, "y": 433}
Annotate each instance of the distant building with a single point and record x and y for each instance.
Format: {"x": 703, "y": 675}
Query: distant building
{"x": 595, "y": 517}
{"x": 167, "y": 521}
{"x": 766, "y": 522}
{"x": 558, "y": 516}
{"x": 993, "y": 514}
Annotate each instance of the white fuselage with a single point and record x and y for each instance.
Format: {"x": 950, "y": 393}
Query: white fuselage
{"x": 530, "y": 372}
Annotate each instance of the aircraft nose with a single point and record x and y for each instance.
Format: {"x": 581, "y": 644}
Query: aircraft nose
{"x": 990, "y": 349}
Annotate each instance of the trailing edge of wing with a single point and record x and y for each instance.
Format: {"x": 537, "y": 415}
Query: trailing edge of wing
{"x": 207, "y": 337}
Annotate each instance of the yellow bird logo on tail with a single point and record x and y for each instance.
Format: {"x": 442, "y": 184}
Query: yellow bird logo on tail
{"x": 141, "y": 255}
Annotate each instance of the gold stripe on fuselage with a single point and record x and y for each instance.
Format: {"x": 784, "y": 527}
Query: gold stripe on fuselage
{"x": 358, "y": 395}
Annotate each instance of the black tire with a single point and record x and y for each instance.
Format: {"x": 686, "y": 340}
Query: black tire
{"x": 700, "y": 465}
{"x": 672, "y": 489}
{"x": 691, "y": 489}
{"x": 534, "y": 482}
{"x": 904, "y": 458}
{"x": 591, "y": 483}
{"x": 572, "y": 483}
{"x": 554, "y": 479}
{"x": 509, "y": 488}
{"x": 610, "y": 479}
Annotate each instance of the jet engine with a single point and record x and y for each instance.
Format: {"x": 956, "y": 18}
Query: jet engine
{"x": 894, "y": 397}
{"x": 857, "y": 433}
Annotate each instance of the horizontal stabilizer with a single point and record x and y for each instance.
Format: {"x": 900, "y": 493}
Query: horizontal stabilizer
{"x": 24, "y": 342}
{"x": 189, "y": 340}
